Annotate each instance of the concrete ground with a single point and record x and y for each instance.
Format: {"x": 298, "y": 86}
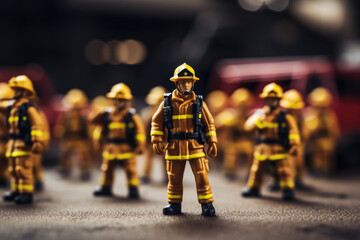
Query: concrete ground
{"x": 67, "y": 210}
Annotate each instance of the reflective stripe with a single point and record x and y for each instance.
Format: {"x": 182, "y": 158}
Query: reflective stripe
{"x": 252, "y": 183}
{"x": 119, "y": 125}
{"x": 46, "y": 135}
{"x": 140, "y": 137}
{"x": 15, "y": 119}
{"x": 174, "y": 196}
{"x": 263, "y": 124}
{"x": 294, "y": 136}
{"x": 18, "y": 154}
{"x": 205, "y": 197}
{"x": 289, "y": 184}
{"x": 273, "y": 157}
{"x": 37, "y": 133}
{"x": 185, "y": 157}
{"x": 120, "y": 156}
{"x": 184, "y": 116}
{"x": 159, "y": 133}
{"x": 97, "y": 134}
{"x": 210, "y": 133}
{"x": 105, "y": 183}
{"x": 133, "y": 182}
{"x": 25, "y": 187}
{"x": 13, "y": 186}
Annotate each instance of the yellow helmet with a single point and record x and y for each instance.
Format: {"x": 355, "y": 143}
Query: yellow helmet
{"x": 75, "y": 98}
{"x": 155, "y": 96}
{"x": 272, "y": 90}
{"x": 184, "y": 71}
{"x": 120, "y": 91}
{"x": 22, "y": 82}
{"x": 242, "y": 97}
{"x": 292, "y": 99}
{"x": 217, "y": 99}
{"x": 320, "y": 97}
{"x": 6, "y": 93}
{"x": 100, "y": 102}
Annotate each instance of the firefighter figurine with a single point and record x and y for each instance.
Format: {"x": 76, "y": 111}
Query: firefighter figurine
{"x": 239, "y": 143}
{"x": 73, "y": 132}
{"x": 26, "y": 137}
{"x": 277, "y": 137}
{"x": 189, "y": 124}
{"x": 6, "y": 94}
{"x": 321, "y": 131}
{"x": 154, "y": 98}
{"x": 124, "y": 134}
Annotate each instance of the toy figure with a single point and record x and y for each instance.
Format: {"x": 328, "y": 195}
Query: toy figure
{"x": 154, "y": 98}
{"x": 238, "y": 141}
{"x": 6, "y": 94}
{"x": 190, "y": 124}
{"x": 125, "y": 136}
{"x": 72, "y": 130}
{"x": 26, "y": 137}
{"x": 277, "y": 137}
{"x": 321, "y": 131}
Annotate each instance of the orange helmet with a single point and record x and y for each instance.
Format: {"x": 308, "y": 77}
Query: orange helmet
{"x": 184, "y": 71}
{"x": 272, "y": 90}
{"x": 6, "y": 93}
{"x": 320, "y": 97}
{"x": 100, "y": 102}
{"x": 242, "y": 97}
{"x": 75, "y": 98}
{"x": 120, "y": 91}
{"x": 155, "y": 96}
{"x": 22, "y": 82}
{"x": 292, "y": 99}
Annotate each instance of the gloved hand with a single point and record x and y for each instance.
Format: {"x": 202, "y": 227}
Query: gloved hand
{"x": 212, "y": 151}
{"x": 158, "y": 148}
{"x": 37, "y": 147}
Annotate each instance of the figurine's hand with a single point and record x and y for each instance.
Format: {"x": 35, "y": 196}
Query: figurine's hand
{"x": 158, "y": 148}
{"x": 37, "y": 147}
{"x": 212, "y": 151}
{"x": 293, "y": 150}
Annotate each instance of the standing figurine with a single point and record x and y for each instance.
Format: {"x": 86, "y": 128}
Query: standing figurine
{"x": 277, "y": 137}
{"x": 73, "y": 132}
{"x": 321, "y": 131}
{"x": 154, "y": 98}
{"x": 189, "y": 124}
{"x": 26, "y": 137}
{"x": 124, "y": 134}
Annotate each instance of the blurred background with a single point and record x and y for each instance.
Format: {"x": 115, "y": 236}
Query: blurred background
{"x": 94, "y": 44}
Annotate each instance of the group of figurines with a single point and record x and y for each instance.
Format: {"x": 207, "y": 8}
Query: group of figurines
{"x": 178, "y": 125}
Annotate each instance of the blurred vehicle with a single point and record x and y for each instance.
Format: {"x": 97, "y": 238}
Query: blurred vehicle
{"x": 303, "y": 74}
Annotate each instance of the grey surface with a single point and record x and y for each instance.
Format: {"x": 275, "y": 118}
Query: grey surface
{"x": 67, "y": 210}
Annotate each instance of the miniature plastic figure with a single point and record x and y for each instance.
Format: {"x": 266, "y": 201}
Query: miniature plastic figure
{"x": 277, "y": 137}
{"x": 190, "y": 124}
{"x": 6, "y": 94}
{"x": 72, "y": 130}
{"x": 154, "y": 98}
{"x": 238, "y": 141}
{"x": 125, "y": 136}
{"x": 321, "y": 131}
{"x": 25, "y": 138}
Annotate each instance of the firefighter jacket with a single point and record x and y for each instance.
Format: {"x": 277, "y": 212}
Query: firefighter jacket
{"x": 182, "y": 120}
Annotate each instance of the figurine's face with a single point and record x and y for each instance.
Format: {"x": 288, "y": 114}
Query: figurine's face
{"x": 18, "y": 93}
{"x": 120, "y": 103}
{"x": 272, "y": 102}
{"x": 185, "y": 85}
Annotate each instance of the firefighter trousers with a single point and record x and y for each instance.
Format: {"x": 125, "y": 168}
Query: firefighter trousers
{"x": 175, "y": 170}
{"x": 38, "y": 168}
{"x": 21, "y": 174}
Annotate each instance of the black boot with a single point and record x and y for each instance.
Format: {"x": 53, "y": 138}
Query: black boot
{"x": 39, "y": 186}
{"x": 172, "y": 209}
{"x": 24, "y": 198}
{"x": 65, "y": 173}
{"x": 103, "y": 192}
{"x": 85, "y": 176}
{"x": 208, "y": 210}
{"x": 133, "y": 193}
{"x": 10, "y": 196}
{"x": 3, "y": 183}
{"x": 288, "y": 194}
{"x": 145, "y": 180}
{"x": 231, "y": 176}
{"x": 274, "y": 187}
{"x": 250, "y": 192}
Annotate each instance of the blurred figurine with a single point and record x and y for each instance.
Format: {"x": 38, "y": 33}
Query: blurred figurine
{"x": 72, "y": 130}
{"x": 189, "y": 124}
{"x": 6, "y": 94}
{"x": 124, "y": 135}
{"x": 321, "y": 131}
{"x": 277, "y": 137}
{"x": 26, "y": 137}
{"x": 238, "y": 142}
{"x": 154, "y": 98}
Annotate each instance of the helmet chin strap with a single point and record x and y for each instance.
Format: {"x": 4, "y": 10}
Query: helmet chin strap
{"x": 185, "y": 92}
